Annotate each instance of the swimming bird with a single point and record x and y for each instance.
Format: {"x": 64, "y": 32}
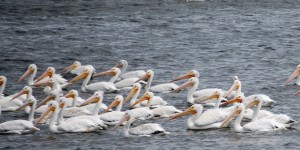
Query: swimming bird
{"x": 237, "y": 86}
{"x": 50, "y": 73}
{"x": 261, "y": 125}
{"x": 295, "y": 74}
{"x": 71, "y": 126}
{"x": 76, "y": 68}
{"x": 103, "y": 86}
{"x": 141, "y": 130}
{"x": 160, "y": 88}
{"x": 21, "y": 126}
{"x": 123, "y": 64}
{"x": 113, "y": 117}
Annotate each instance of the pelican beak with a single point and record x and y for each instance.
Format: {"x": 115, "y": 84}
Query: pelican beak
{"x": 215, "y": 95}
{"x": 293, "y": 75}
{"x": 190, "y": 110}
{"x": 28, "y": 72}
{"x": 141, "y": 99}
{"x": 42, "y": 83}
{"x": 144, "y": 77}
{"x": 50, "y": 109}
{"x": 24, "y": 105}
{"x": 124, "y": 118}
{"x": 185, "y": 76}
{"x": 68, "y": 69}
{"x": 183, "y": 86}
{"x": 47, "y": 73}
{"x": 80, "y": 76}
{"x": 233, "y": 87}
{"x": 131, "y": 93}
{"x": 19, "y": 94}
{"x": 234, "y": 100}
{"x": 252, "y": 103}
{"x": 61, "y": 104}
{"x": 92, "y": 99}
{"x": 1, "y": 82}
{"x": 44, "y": 101}
{"x": 116, "y": 102}
{"x": 297, "y": 93}
{"x": 233, "y": 114}
{"x": 108, "y": 72}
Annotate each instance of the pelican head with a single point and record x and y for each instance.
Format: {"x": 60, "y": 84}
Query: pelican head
{"x": 113, "y": 71}
{"x": 235, "y": 86}
{"x": 48, "y": 73}
{"x": 31, "y": 101}
{"x": 235, "y": 78}
{"x": 122, "y": 64}
{"x": 51, "y": 108}
{"x": 118, "y": 101}
{"x": 83, "y": 75}
{"x": 147, "y": 96}
{"x": 52, "y": 95}
{"x": 136, "y": 88}
{"x": 96, "y": 97}
{"x": 215, "y": 95}
{"x": 191, "y": 110}
{"x": 2, "y": 80}
{"x": 71, "y": 67}
{"x": 32, "y": 68}
{"x": 236, "y": 111}
{"x": 294, "y": 74}
{"x": 72, "y": 94}
{"x": 26, "y": 90}
{"x": 126, "y": 117}
{"x": 255, "y": 101}
{"x": 191, "y": 83}
{"x": 149, "y": 74}
{"x": 188, "y": 75}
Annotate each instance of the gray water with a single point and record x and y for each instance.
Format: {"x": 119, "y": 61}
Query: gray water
{"x": 258, "y": 40}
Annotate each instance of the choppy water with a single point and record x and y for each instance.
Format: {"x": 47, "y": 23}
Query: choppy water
{"x": 258, "y": 40}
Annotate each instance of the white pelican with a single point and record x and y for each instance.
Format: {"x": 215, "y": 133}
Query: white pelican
{"x": 113, "y": 117}
{"x": 76, "y": 68}
{"x": 50, "y": 73}
{"x": 31, "y": 72}
{"x": 141, "y": 130}
{"x": 103, "y": 86}
{"x": 237, "y": 86}
{"x": 5, "y": 101}
{"x": 162, "y": 111}
{"x": 295, "y": 74}
{"x": 192, "y": 85}
{"x": 123, "y": 64}
{"x": 261, "y": 125}
{"x": 162, "y": 88}
{"x": 74, "y": 125}
{"x": 21, "y": 126}
{"x": 52, "y": 83}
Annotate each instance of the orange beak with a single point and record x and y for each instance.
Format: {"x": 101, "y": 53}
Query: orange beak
{"x": 234, "y": 100}
{"x": 19, "y": 94}
{"x": 68, "y": 69}
{"x": 108, "y": 72}
{"x": 233, "y": 87}
{"x": 190, "y": 110}
{"x": 293, "y": 75}
{"x": 42, "y": 83}
{"x": 144, "y": 77}
{"x": 28, "y": 72}
{"x": 143, "y": 98}
{"x": 124, "y": 118}
{"x": 90, "y": 100}
{"x": 116, "y": 102}
{"x": 185, "y": 76}
{"x": 47, "y": 73}
{"x": 50, "y": 109}
{"x": 233, "y": 114}
{"x": 44, "y": 101}
{"x": 80, "y": 76}
{"x": 252, "y": 103}
{"x": 24, "y": 105}
{"x": 183, "y": 86}
{"x": 131, "y": 93}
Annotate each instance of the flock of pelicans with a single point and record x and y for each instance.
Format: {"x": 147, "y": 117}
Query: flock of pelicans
{"x": 70, "y": 113}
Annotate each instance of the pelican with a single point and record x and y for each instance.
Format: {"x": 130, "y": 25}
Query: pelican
{"x": 141, "y": 130}
{"x": 112, "y": 118}
{"x": 72, "y": 126}
{"x": 103, "y": 86}
{"x": 5, "y": 102}
{"x": 261, "y": 125}
{"x": 192, "y": 85}
{"x": 21, "y": 126}
{"x": 50, "y": 73}
{"x": 76, "y": 68}
{"x": 295, "y": 74}
{"x": 237, "y": 86}
{"x": 162, "y": 111}
{"x": 123, "y": 64}
{"x": 162, "y": 88}
{"x": 31, "y": 72}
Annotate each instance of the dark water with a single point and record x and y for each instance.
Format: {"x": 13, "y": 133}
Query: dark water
{"x": 258, "y": 40}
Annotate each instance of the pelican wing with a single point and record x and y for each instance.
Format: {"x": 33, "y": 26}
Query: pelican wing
{"x": 59, "y": 79}
{"x": 201, "y": 94}
{"x": 128, "y": 82}
{"x": 7, "y": 105}
{"x": 262, "y": 125}
{"x": 157, "y": 100}
{"x": 76, "y": 111}
{"x": 142, "y": 113}
{"x": 147, "y": 129}
{"x": 165, "y": 111}
{"x": 165, "y": 87}
{"x": 78, "y": 125}
{"x": 20, "y": 126}
{"x": 211, "y": 116}
{"x": 111, "y": 118}
{"x": 102, "y": 86}
{"x": 133, "y": 74}
{"x": 94, "y": 119}
{"x": 282, "y": 118}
